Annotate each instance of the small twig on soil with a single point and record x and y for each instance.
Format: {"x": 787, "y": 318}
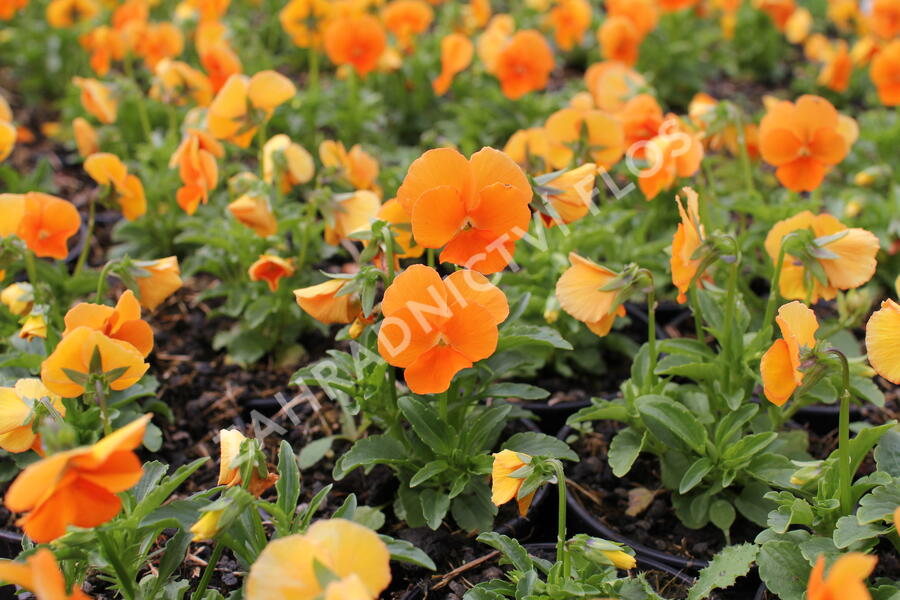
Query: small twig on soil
{"x": 447, "y": 578}
{"x": 593, "y": 497}
{"x": 196, "y": 560}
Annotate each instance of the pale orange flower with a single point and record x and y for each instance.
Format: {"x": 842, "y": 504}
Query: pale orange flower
{"x": 524, "y": 64}
{"x": 304, "y": 20}
{"x": 195, "y": 158}
{"x": 357, "y": 40}
{"x": 407, "y": 19}
{"x": 40, "y": 574}
{"x": 271, "y": 268}
{"x": 571, "y": 195}
{"x": 612, "y": 85}
{"x": 325, "y": 303}
{"x": 600, "y": 135}
{"x": 351, "y": 213}
{"x": 122, "y": 322}
{"x": 107, "y": 170}
{"x": 253, "y": 210}
{"x": 17, "y": 405}
{"x": 493, "y": 40}
{"x": 456, "y": 56}
{"x": 394, "y": 213}
{"x": 290, "y": 162}
{"x": 530, "y": 149}
{"x": 579, "y": 294}
{"x": 178, "y": 83}
{"x": 780, "y": 365}
{"x": 883, "y": 341}
{"x": 505, "y": 488}
{"x": 357, "y": 167}
{"x": 243, "y": 103}
{"x": 688, "y": 238}
{"x": 97, "y": 98}
{"x": 47, "y": 224}
{"x": 157, "y": 280}
{"x": 66, "y": 13}
{"x": 569, "y": 20}
{"x": 846, "y": 579}
{"x": 86, "y": 138}
{"x": 642, "y": 118}
{"x": 230, "y": 441}
{"x": 838, "y": 67}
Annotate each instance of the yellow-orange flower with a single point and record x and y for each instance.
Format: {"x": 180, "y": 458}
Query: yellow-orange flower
{"x": 303, "y": 21}
{"x": 846, "y": 578}
{"x": 17, "y": 413}
{"x": 34, "y": 325}
{"x": 230, "y": 441}
{"x": 159, "y": 41}
{"x": 107, "y": 170}
{"x": 780, "y": 365}
{"x": 434, "y": 328}
{"x": 570, "y": 194}
{"x": 688, "y": 238}
{"x": 620, "y": 40}
{"x": 292, "y": 164}
{"x": 287, "y": 569}
{"x": 105, "y": 45}
{"x": 97, "y": 98}
{"x": 357, "y": 167}
{"x": 40, "y": 574}
{"x": 357, "y": 40}
{"x": 475, "y": 209}
{"x": 579, "y": 294}
{"x": 407, "y": 19}
{"x": 838, "y": 67}
{"x": 883, "y": 341}
{"x": 394, "y": 213}
{"x": 271, "y": 268}
{"x": 847, "y": 257}
{"x": 351, "y": 213}
{"x": 456, "y": 55}
{"x": 79, "y": 486}
{"x": 122, "y": 322}
{"x": 253, "y": 210}
{"x": 243, "y": 103}
{"x": 885, "y": 73}
{"x": 18, "y": 298}
{"x": 47, "y": 224}
{"x": 600, "y": 135}
{"x": 195, "y": 158}
{"x": 676, "y": 152}
{"x": 220, "y": 63}
{"x": 530, "y": 149}
{"x": 504, "y": 487}
{"x": 612, "y": 85}
{"x": 178, "y": 83}
{"x": 570, "y": 20}
{"x": 325, "y": 303}
{"x": 524, "y": 64}
{"x": 66, "y": 13}
{"x": 157, "y": 280}
{"x": 86, "y": 139}
{"x": 492, "y": 41}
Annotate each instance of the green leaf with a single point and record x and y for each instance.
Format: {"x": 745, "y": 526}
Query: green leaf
{"x": 726, "y": 566}
{"x": 519, "y": 334}
{"x": 435, "y": 505}
{"x": 314, "y": 451}
{"x": 694, "y": 475}
{"x": 672, "y": 423}
{"x": 373, "y": 450}
{"x": 880, "y": 504}
{"x": 511, "y": 549}
{"x": 676, "y": 365}
{"x": 539, "y": 444}
{"x": 887, "y": 453}
{"x": 624, "y": 450}
{"x": 164, "y": 489}
{"x": 288, "y": 484}
{"x": 474, "y": 511}
{"x": 849, "y": 532}
{"x": 431, "y": 469}
{"x": 405, "y": 552}
{"x": 522, "y": 391}
{"x": 747, "y": 447}
{"x": 427, "y": 424}
{"x": 600, "y": 410}
{"x": 783, "y": 569}
{"x": 722, "y": 514}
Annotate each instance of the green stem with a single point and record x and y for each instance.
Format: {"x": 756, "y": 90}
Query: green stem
{"x": 562, "y": 556}
{"x": 443, "y": 401}
{"x": 353, "y": 104}
{"x": 208, "y": 571}
{"x": 844, "y": 474}
{"x": 313, "y": 93}
{"x": 774, "y": 291}
{"x": 101, "y": 281}
{"x": 695, "y": 308}
{"x": 308, "y": 222}
{"x": 114, "y": 558}
{"x": 651, "y": 328}
{"x": 261, "y": 141}
{"x": 142, "y": 108}
{"x": 745, "y": 157}
{"x": 727, "y": 334}
{"x": 104, "y": 410}
{"x": 86, "y": 249}
{"x": 31, "y": 269}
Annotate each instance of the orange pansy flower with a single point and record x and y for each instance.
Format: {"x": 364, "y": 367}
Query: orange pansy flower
{"x": 289, "y": 161}
{"x": 9, "y": 8}
{"x": 357, "y": 167}
{"x": 66, "y": 13}
{"x": 688, "y": 238}
{"x": 530, "y": 149}
{"x": 846, "y": 579}
{"x": 883, "y": 341}
{"x": 572, "y": 194}
{"x": 196, "y": 161}
{"x": 780, "y": 365}
{"x": 675, "y": 5}
{"x": 643, "y": 14}
{"x": 253, "y": 210}
{"x": 178, "y": 83}
{"x": 642, "y": 118}
{"x": 47, "y": 224}
{"x": 579, "y": 294}
{"x": 435, "y": 328}
{"x": 848, "y": 256}
{"x": 456, "y": 55}
{"x": 619, "y": 40}
{"x": 230, "y": 441}
{"x": 351, "y": 213}
{"x": 220, "y": 62}
{"x": 505, "y": 488}
{"x": 97, "y": 99}
{"x": 86, "y": 139}
{"x": 407, "y": 19}
{"x": 885, "y": 74}
{"x": 600, "y": 135}
{"x": 676, "y": 153}
{"x": 271, "y": 268}
{"x": 803, "y": 141}
{"x": 17, "y": 413}
{"x": 303, "y": 21}
{"x": 40, "y": 574}
{"x": 79, "y": 486}
{"x": 121, "y": 323}
{"x": 569, "y": 20}
{"x": 159, "y": 41}
{"x": 885, "y": 18}
{"x": 287, "y": 568}
{"x": 356, "y": 40}
{"x": 325, "y": 303}
{"x": 838, "y": 67}
{"x": 778, "y": 10}
{"x": 157, "y": 280}
{"x": 612, "y": 85}
{"x": 105, "y": 45}
{"x": 492, "y": 41}
{"x": 524, "y": 64}
{"x": 394, "y": 213}
{"x": 243, "y": 103}
{"x": 476, "y": 209}
{"x": 107, "y": 170}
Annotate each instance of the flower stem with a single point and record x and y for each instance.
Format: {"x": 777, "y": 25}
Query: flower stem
{"x": 844, "y": 475}
{"x": 208, "y": 571}
{"x": 773, "y": 291}
{"x": 101, "y": 281}
{"x": 727, "y": 334}
{"x": 86, "y": 249}
{"x": 104, "y": 410}
{"x": 562, "y": 556}
{"x": 142, "y": 108}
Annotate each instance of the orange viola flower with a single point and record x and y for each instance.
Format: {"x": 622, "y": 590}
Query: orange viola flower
{"x": 838, "y": 67}
{"x": 505, "y": 488}
{"x": 271, "y": 268}
{"x": 846, "y": 579}
{"x": 230, "y": 441}
{"x": 643, "y": 14}
{"x": 883, "y": 341}
{"x": 41, "y": 575}
{"x": 524, "y": 64}
{"x": 675, "y": 5}
{"x": 642, "y": 118}
{"x": 612, "y": 85}
{"x": 803, "y": 141}
{"x": 290, "y": 162}
{"x": 79, "y": 486}
{"x": 66, "y": 13}
{"x": 394, "y": 213}
{"x": 303, "y": 20}
{"x": 178, "y": 83}
{"x": 847, "y": 256}
{"x": 17, "y": 410}
{"x": 493, "y": 40}
{"x": 97, "y": 98}
{"x": 885, "y": 18}
{"x": 780, "y": 365}
{"x": 351, "y": 213}
{"x": 74, "y": 353}
{"x": 210, "y": 10}
{"x": 476, "y": 209}
{"x": 130, "y": 19}
{"x": 601, "y": 135}
{"x": 570, "y": 194}
{"x": 243, "y": 103}
{"x": 476, "y": 14}
{"x": 86, "y": 139}
{"x": 325, "y": 303}
{"x": 530, "y": 149}
{"x": 569, "y": 20}
{"x": 406, "y": 19}
{"x": 107, "y": 170}
{"x": 357, "y": 40}
{"x": 885, "y": 74}
{"x": 220, "y": 62}
{"x": 579, "y": 294}
{"x": 157, "y": 280}
{"x": 105, "y": 45}
{"x": 779, "y": 11}
{"x": 8, "y": 136}
{"x": 435, "y": 328}
{"x": 357, "y": 167}
{"x": 688, "y": 238}
{"x": 47, "y": 224}
{"x": 456, "y": 56}
{"x": 797, "y": 27}
{"x": 253, "y": 210}
{"x": 676, "y": 153}
{"x": 122, "y": 323}
{"x": 159, "y": 41}
{"x": 195, "y": 158}
{"x": 34, "y": 326}
{"x": 619, "y": 40}
{"x": 9, "y": 8}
